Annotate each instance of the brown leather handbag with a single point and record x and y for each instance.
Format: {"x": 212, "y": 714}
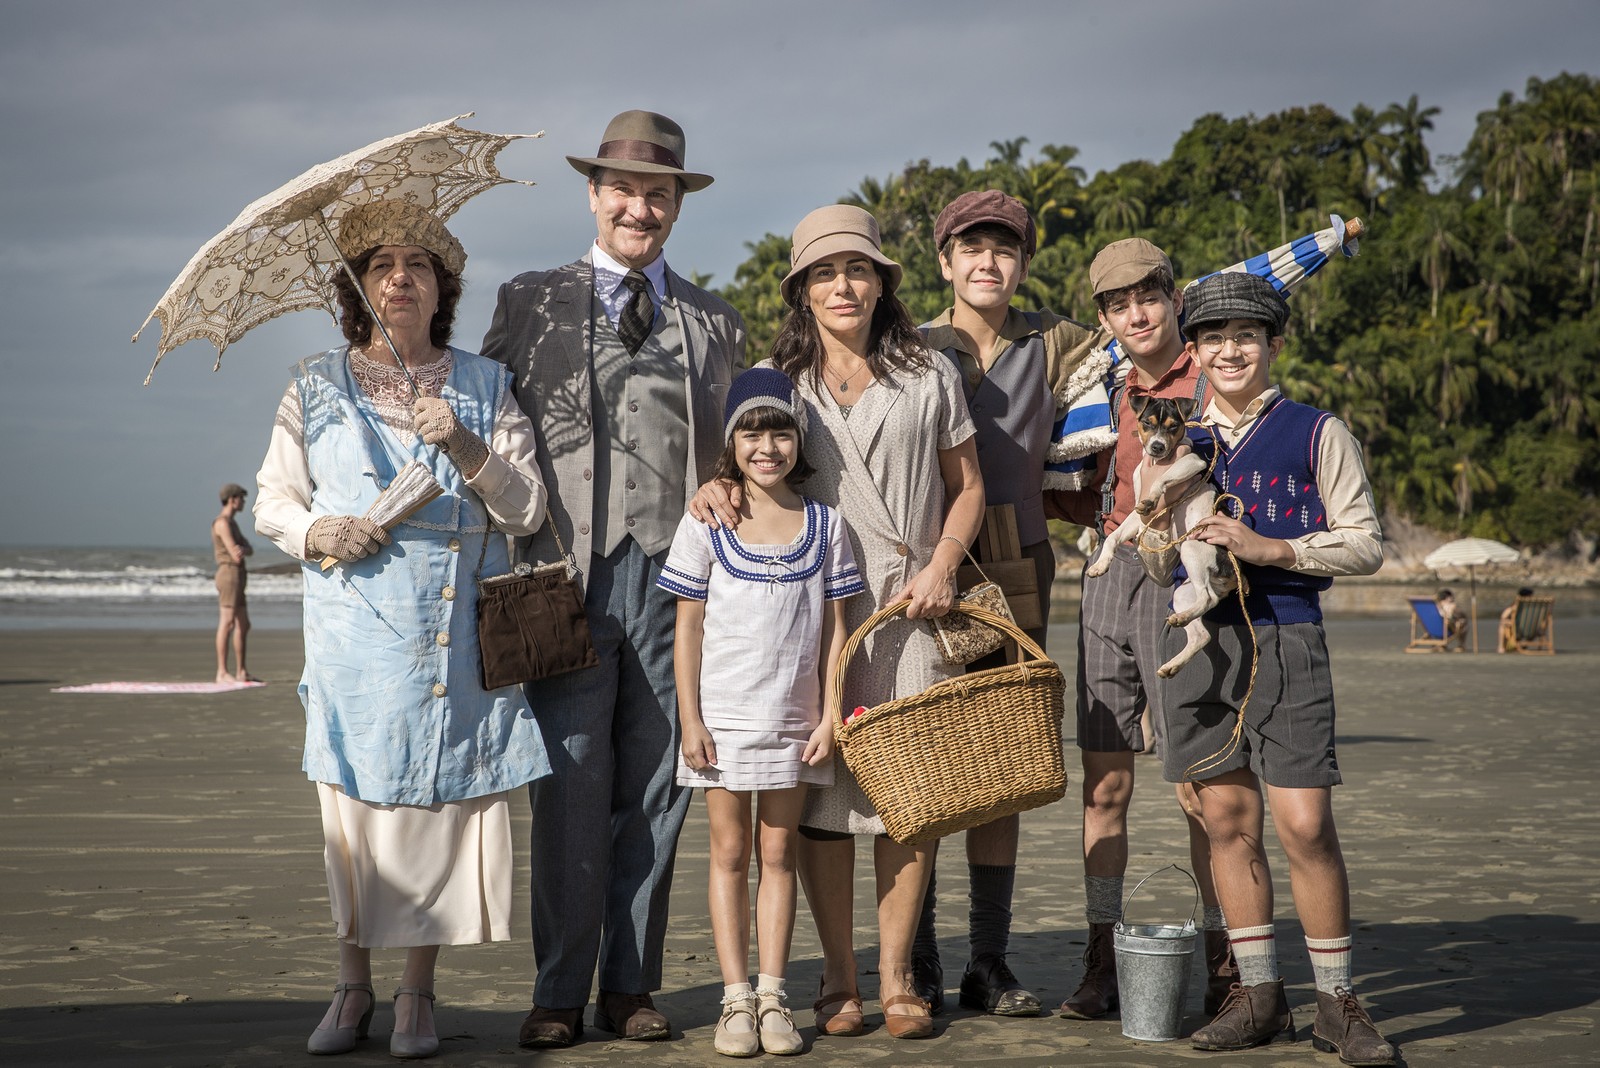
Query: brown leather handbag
{"x": 531, "y": 623}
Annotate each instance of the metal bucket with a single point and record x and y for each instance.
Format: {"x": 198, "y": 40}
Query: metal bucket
{"x": 1153, "y": 965}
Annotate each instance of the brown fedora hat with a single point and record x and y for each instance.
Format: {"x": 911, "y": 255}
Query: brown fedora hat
{"x": 644, "y": 142}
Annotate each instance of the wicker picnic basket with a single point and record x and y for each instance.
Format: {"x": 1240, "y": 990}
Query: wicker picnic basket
{"x": 963, "y": 752}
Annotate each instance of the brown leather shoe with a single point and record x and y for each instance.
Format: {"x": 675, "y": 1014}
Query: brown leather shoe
{"x": 1221, "y": 971}
{"x": 550, "y": 1028}
{"x": 630, "y": 1016}
{"x": 917, "y": 1024}
{"x": 1250, "y": 1016}
{"x": 841, "y": 1014}
{"x": 1343, "y": 1027}
{"x": 1097, "y": 994}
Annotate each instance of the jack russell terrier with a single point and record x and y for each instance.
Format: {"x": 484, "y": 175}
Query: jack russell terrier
{"x": 1177, "y": 480}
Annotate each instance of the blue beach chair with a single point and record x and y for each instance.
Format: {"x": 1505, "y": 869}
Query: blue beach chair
{"x": 1427, "y": 627}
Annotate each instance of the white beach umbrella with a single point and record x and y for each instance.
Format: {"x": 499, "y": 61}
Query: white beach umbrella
{"x": 1471, "y": 553}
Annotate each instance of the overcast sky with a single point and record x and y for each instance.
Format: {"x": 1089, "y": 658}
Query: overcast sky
{"x": 135, "y": 131}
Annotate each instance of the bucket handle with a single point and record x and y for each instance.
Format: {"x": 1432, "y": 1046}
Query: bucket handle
{"x": 1124, "y": 918}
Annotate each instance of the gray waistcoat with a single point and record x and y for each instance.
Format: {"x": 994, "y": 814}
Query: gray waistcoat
{"x": 1013, "y": 410}
{"x": 641, "y": 422}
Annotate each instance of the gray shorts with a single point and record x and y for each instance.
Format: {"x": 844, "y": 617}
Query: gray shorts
{"x": 1288, "y": 731}
{"x": 1119, "y": 648}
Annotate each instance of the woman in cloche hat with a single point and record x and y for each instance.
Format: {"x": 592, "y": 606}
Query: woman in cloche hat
{"x": 892, "y": 444}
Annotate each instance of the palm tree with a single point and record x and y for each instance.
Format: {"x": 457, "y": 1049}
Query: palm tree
{"x": 1441, "y": 247}
{"x": 1410, "y": 121}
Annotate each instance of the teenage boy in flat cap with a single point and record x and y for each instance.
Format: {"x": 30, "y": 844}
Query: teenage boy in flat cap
{"x": 623, "y": 366}
{"x": 1307, "y": 515}
{"x": 1122, "y": 616}
{"x": 1017, "y": 368}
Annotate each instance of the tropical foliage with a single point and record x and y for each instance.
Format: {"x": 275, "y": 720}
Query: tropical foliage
{"x": 1460, "y": 347}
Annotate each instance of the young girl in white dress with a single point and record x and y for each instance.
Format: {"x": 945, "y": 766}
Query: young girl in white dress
{"x": 760, "y": 628}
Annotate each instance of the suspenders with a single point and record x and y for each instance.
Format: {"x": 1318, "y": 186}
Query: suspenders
{"x": 1108, "y": 492}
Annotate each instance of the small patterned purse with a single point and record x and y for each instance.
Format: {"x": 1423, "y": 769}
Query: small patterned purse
{"x": 962, "y": 639}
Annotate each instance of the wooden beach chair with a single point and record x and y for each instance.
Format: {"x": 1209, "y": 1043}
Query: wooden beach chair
{"x": 1532, "y": 628}
{"x": 1427, "y": 627}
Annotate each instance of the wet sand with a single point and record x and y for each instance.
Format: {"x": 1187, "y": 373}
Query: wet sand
{"x": 164, "y": 904}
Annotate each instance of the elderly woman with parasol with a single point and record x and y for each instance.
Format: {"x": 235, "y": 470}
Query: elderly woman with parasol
{"x": 411, "y": 756}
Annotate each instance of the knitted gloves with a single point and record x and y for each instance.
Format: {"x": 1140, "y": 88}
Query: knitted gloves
{"x": 438, "y": 425}
{"x": 344, "y": 537}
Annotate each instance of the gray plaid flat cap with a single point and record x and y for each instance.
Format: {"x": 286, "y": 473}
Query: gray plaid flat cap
{"x": 1232, "y": 295}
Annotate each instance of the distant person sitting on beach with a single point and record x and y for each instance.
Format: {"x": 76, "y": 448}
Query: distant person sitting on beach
{"x": 1508, "y": 622}
{"x": 1454, "y": 623}
{"x": 231, "y": 548}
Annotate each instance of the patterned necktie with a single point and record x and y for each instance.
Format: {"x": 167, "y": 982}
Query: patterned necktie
{"x": 633, "y": 325}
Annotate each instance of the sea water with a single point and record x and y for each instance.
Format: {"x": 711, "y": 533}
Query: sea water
{"x": 138, "y": 588}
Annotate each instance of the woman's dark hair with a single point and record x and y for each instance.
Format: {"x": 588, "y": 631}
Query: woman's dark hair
{"x": 893, "y": 343}
{"x": 759, "y": 419}
{"x": 357, "y": 324}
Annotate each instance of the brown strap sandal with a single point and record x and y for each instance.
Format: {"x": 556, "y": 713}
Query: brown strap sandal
{"x": 840, "y": 1014}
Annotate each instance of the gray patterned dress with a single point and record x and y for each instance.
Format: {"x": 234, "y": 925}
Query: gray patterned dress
{"x": 879, "y": 465}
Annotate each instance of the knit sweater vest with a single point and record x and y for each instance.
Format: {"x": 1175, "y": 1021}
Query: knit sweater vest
{"x": 1273, "y": 472}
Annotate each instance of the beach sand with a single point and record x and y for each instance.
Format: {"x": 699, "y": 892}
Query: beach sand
{"x": 164, "y": 903}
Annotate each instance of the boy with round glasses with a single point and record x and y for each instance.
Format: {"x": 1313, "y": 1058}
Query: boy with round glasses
{"x": 1306, "y": 514}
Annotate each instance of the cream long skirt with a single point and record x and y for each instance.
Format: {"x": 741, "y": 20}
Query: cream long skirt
{"x": 412, "y": 875}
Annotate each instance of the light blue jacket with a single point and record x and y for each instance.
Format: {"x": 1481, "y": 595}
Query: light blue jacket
{"x": 395, "y": 709}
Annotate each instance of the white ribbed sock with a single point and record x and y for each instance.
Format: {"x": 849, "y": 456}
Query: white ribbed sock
{"x": 1256, "y": 950}
{"x": 1330, "y": 962}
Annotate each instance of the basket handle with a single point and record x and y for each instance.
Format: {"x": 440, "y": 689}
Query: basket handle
{"x": 1124, "y": 917}
{"x": 883, "y": 615}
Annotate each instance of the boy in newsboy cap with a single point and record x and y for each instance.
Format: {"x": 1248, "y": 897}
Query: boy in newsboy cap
{"x": 1306, "y": 514}
{"x": 1017, "y": 369}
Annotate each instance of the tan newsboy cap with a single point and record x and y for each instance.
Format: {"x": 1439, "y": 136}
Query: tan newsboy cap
{"x": 643, "y": 142}
{"x": 829, "y": 231}
{"x": 1124, "y": 263}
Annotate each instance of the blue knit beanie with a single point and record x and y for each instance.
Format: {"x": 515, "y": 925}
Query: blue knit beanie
{"x": 763, "y": 387}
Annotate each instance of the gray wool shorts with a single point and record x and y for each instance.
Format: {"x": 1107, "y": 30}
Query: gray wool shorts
{"x": 1288, "y": 736}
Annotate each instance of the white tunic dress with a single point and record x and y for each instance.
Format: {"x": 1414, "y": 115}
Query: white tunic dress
{"x": 760, "y": 686}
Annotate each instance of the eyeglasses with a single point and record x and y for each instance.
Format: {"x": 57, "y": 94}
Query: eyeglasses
{"x": 1244, "y": 339}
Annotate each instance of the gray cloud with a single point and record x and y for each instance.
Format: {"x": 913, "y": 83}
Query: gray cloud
{"x": 135, "y": 131}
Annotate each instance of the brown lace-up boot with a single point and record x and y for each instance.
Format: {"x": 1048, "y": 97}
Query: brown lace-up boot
{"x": 1222, "y": 971}
{"x": 1097, "y": 994}
{"x": 1343, "y": 1027}
{"x": 1250, "y": 1016}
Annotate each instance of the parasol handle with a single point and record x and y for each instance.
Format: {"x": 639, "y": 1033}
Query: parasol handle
{"x": 387, "y": 340}
{"x": 1353, "y": 228}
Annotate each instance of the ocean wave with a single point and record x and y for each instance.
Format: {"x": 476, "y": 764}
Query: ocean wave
{"x": 134, "y": 583}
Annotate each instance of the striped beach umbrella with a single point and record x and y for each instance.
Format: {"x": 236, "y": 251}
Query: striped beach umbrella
{"x": 1085, "y": 427}
{"x": 1471, "y": 553}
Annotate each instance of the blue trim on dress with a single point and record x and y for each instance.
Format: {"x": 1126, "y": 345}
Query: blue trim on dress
{"x": 816, "y": 534}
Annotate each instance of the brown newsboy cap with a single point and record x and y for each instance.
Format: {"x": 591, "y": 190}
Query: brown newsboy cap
{"x": 643, "y": 142}
{"x": 986, "y": 206}
{"x": 829, "y": 231}
{"x": 232, "y": 490}
{"x": 1125, "y": 263}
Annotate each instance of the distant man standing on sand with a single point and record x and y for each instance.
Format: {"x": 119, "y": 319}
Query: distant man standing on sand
{"x": 234, "y": 620}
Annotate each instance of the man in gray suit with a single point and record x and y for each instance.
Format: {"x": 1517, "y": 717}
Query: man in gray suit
{"x": 623, "y": 367}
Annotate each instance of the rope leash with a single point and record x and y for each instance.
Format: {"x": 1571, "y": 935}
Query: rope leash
{"x": 1207, "y": 763}
{"x": 1241, "y": 588}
